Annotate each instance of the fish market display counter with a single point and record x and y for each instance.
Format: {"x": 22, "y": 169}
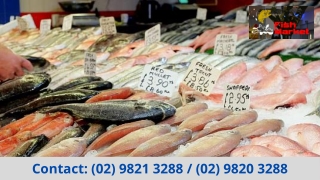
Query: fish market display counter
{"x": 164, "y": 99}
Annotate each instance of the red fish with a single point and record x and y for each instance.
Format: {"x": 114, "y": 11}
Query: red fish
{"x": 197, "y": 121}
{"x": 184, "y": 112}
{"x": 293, "y": 64}
{"x": 253, "y": 151}
{"x": 122, "y": 93}
{"x": 298, "y": 83}
{"x": 54, "y": 127}
{"x": 274, "y": 79}
{"x": 232, "y": 73}
{"x": 272, "y": 101}
{"x": 280, "y": 45}
{"x": 116, "y": 133}
{"x": 312, "y": 69}
{"x": 252, "y": 76}
{"x": 229, "y": 122}
{"x": 36, "y": 124}
{"x": 9, "y": 144}
{"x": 307, "y": 134}
{"x": 132, "y": 140}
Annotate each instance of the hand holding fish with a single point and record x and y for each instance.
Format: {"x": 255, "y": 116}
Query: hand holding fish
{"x": 12, "y": 65}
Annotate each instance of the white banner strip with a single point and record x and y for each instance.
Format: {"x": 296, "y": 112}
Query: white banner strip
{"x": 159, "y": 168}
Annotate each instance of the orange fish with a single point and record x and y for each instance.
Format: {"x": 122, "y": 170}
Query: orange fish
{"x": 116, "y": 133}
{"x": 132, "y": 140}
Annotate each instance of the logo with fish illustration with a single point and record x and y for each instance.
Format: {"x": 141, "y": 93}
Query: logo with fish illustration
{"x": 262, "y": 30}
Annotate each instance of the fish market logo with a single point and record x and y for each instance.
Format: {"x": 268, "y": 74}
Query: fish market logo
{"x": 262, "y": 30}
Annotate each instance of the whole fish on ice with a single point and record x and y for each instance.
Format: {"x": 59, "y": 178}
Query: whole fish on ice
{"x": 118, "y": 111}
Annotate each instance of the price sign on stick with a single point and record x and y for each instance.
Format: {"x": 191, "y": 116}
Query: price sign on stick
{"x": 241, "y": 16}
{"x": 157, "y": 80}
{"x": 22, "y": 24}
{"x": 90, "y": 63}
{"x": 236, "y": 97}
{"x": 67, "y": 23}
{"x": 202, "y": 14}
{"x": 108, "y": 25}
{"x": 45, "y": 26}
{"x": 201, "y": 77}
{"x": 153, "y": 35}
{"x": 258, "y": 1}
{"x": 317, "y": 19}
{"x": 225, "y": 44}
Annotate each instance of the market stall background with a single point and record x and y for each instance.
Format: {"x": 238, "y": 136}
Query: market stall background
{"x": 60, "y": 111}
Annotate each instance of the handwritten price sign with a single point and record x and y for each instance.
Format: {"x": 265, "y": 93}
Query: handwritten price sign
{"x": 201, "y": 77}
{"x": 45, "y": 26}
{"x": 157, "y": 80}
{"x": 202, "y": 14}
{"x": 153, "y": 35}
{"x": 241, "y": 16}
{"x": 90, "y": 63}
{"x": 236, "y": 97}
{"x": 67, "y": 23}
{"x": 108, "y": 25}
{"x": 258, "y": 1}
{"x": 225, "y": 44}
{"x": 317, "y": 19}
{"x": 22, "y": 24}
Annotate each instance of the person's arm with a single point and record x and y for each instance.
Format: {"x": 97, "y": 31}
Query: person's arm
{"x": 12, "y": 65}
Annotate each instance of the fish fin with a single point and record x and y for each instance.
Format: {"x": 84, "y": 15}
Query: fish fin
{"x": 316, "y": 111}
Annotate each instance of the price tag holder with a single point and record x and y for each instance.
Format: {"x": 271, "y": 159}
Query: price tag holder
{"x": 201, "y": 77}
{"x": 67, "y": 23}
{"x": 317, "y": 19}
{"x": 157, "y": 80}
{"x": 152, "y": 35}
{"x": 202, "y": 14}
{"x": 236, "y": 97}
{"x": 241, "y": 16}
{"x": 45, "y": 26}
{"x": 22, "y": 24}
{"x": 108, "y": 26}
{"x": 225, "y": 44}
{"x": 258, "y": 1}
{"x": 90, "y": 63}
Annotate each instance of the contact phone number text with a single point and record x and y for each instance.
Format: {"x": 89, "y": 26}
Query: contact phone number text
{"x": 164, "y": 168}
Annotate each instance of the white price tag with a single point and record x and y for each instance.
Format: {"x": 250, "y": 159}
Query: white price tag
{"x": 202, "y": 14}
{"x": 258, "y": 1}
{"x": 108, "y": 25}
{"x": 225, "y": 44}
{"x": 45, "y": 26}
{"x": 152, "y": 35}
{"x": 236, "y": 97}
{"x": 90, "y": 63}
{"x": 241, "y": 16}
{"x": 67, "y": 23}
{"x": 157, "y": 80}
{"x": 317, "y": 19}
{"x": 22, "y": 24}
{"x": 201, "y": 77}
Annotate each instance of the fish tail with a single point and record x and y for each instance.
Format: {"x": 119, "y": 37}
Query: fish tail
{"x": 316, "y": 111}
